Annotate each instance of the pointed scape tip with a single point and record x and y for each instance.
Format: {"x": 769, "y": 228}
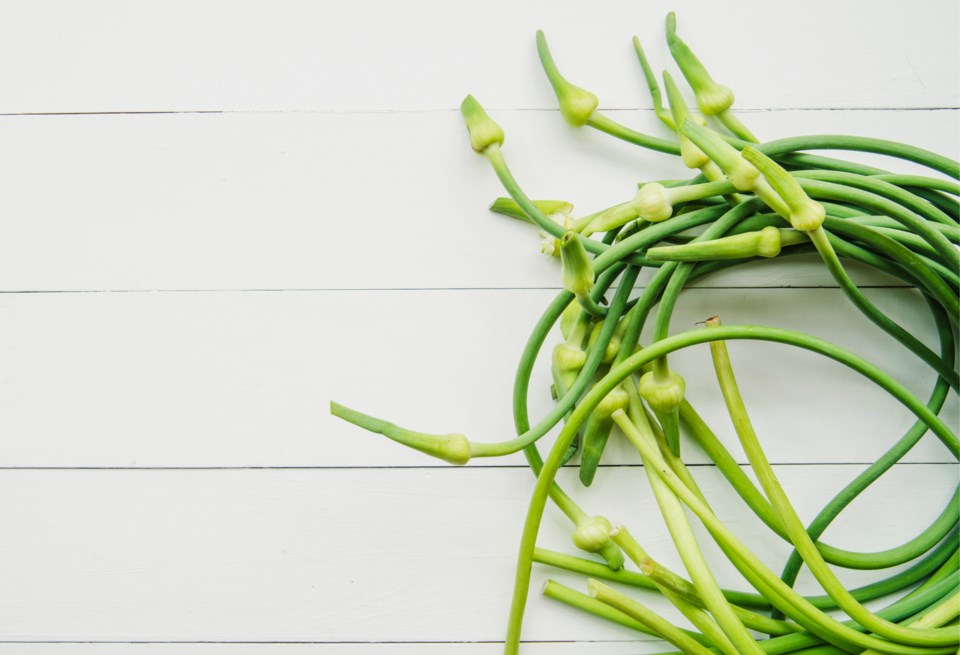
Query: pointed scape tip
{"x": 483, "y": 130}
{"x": 671, "y": 24}
{"x": 468, "y": 104}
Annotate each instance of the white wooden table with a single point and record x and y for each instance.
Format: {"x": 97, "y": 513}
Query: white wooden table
{"x": 219, "y": 215}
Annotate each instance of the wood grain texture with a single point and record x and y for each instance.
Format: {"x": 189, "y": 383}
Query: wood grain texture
{"x": 318, "y": 201}
{"x": 110, "y": 55}
{"x": 244, "y": 379}
{"x": 348, "y": 555}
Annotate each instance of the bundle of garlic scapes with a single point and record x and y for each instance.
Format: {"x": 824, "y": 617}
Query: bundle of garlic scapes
{"x": 748, "y": 200}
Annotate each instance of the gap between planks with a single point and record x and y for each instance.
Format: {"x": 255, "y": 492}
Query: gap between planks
{"x": 440, "y": 467}
{"x": 154, "y": 112}
{"x": 379, "y": 289}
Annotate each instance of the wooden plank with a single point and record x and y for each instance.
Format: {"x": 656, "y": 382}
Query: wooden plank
{"x": 419, "y": 648}
{"x": 244, "y": 379}
{"x": 108, "y": 55}
{"x": 353, "y": 555}
{"x": 280, "y": 201}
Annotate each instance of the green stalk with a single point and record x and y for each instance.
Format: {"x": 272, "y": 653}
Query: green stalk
{"x": 904, "y": 257}
{"x": 903, "y": 151}
{"x": 794, "y": 526}
{"x": 639, "y": 612}
{"x": 671, "y": 584}
{"x": 832, "y": 262}
{"x": 897, "y": 611}
{"x": 938, "y": 616}
{"x": 633, "y": 363}
{"x": 593, "y": 606}
{"x": 876, "y": 203}
{"x": 883, "y": 189}
{"x": 780, "y": 595}
{"x": 687, "y": 546}
{"x": 609, "y": 126}
{"x": 552, "y": 465}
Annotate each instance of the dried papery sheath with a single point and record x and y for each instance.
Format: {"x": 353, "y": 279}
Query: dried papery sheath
{"x": 509, "y": 207}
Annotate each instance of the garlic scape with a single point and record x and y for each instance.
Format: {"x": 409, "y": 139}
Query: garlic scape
{"x": 654, "y": 203}
{"x": 577, "y": 105}
{"x": 766, "y": 242}
{"x": 713, "y": 99}
{"x": 452, "y": 448}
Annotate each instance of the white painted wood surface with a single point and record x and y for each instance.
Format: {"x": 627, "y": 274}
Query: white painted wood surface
{"x": 331, "y": 201}
{"x": 243, "y": 379}
{"x": 300, "y": 214}
{"x": 345, "y": 556}
{"x": 111, "y": 55}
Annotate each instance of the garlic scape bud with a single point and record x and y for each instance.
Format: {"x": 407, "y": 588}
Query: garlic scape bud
{"x": 663, "y": 391}
{"x": 568, "y": 319}
{"x": 452, "y": 448}
{"x": 576, "y": 105}
{"x": 568, "y": 357}
{"x": 761, "y": 243}
{"x": 663, "y": 394}
{"x": 804, "y": 214}
{"x": 566, "y": 362}
{"x": 509, "y": 207}
{"x": 741, "y": 172}
{"x": 577, "y": 265}
{"x": 593, "y": 535}
{"x": 692, "y": 156}
{"x": 690, "y": 153}
{"x": 596, "y": 431}
{"x": 613, "y": 347}
{"x": 482, "y": 129}
{"x": 712, "y": 98}
{"x": 654, "y": 203}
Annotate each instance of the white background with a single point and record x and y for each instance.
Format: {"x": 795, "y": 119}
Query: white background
{"x": 217, "y": 216}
